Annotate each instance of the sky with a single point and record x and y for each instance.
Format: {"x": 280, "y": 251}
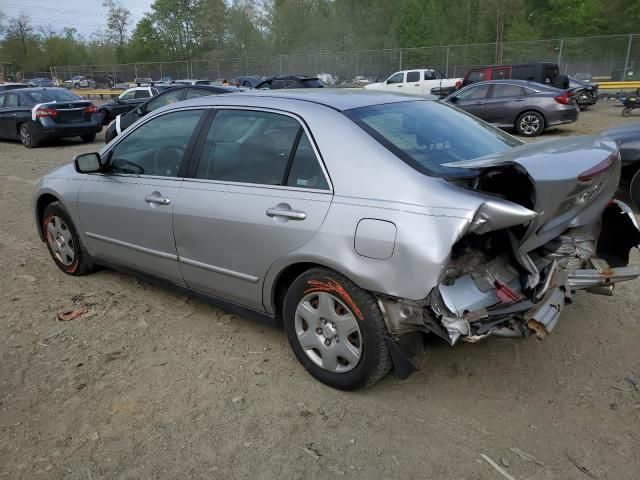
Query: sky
{"x": 86, "y": 16}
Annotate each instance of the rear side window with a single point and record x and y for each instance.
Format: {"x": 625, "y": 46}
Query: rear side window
{"x": 507, "y": 91}
{"x": 248, "y": 147}
{"x": 524, "y": 72}
{"x": 429, "y": 75}
{"x": 305, "y": 170}
{"x": 500, "y": 73}
{"x": 413, "y": 77}
{"x": 13, "y": 100}
{"x": 3, "y": 96}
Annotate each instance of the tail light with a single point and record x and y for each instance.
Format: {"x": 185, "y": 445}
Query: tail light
{"x": 565, "y": 98}
{"x": 601, "y": 167}
{"x": 458, "y": 84}
{"x": 91, "y": 109}
{"x": 46, "y": 112}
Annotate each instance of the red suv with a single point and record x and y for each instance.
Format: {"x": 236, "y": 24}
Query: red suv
{"x": 542, "y": 72}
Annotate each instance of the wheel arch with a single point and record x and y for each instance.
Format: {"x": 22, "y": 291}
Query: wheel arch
{"x": 285, "y": 278}
{"x": 42, "y": 202}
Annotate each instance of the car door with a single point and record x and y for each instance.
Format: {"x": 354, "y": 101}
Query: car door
{"x": 504, "y": 104}
{"x": 258, "y": 192}
{"x": 412, "y": 82}
{"x": 5, "y": 118}
{"x": 395, "y": 82}
{"x": 472, "y": 99}
{"x": 126, "y": 213}
{"x": 9, "y": 115}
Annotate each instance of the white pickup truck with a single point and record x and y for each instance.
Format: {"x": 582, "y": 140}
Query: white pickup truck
{"x": 417, "y": 82}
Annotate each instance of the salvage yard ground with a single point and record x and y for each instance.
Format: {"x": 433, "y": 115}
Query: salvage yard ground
{"x": 149, "y": 384}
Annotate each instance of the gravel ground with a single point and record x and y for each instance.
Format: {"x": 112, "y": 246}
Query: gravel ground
{"x": 149, "y": 384}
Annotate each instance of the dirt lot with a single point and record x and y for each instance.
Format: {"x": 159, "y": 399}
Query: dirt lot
{"x": 149, "y": 384}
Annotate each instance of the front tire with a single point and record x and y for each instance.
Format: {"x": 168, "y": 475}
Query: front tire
{"x": 530, "y": 124}
{"x": 336, "y": 330}
{"x": 63, "y": 241}
{"x": 626, "y": 112}
{"x": 25, "y": 132}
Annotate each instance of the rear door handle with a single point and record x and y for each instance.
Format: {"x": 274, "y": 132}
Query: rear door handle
{"x": 157, "y": 199}
{"x": 291, "y": 214}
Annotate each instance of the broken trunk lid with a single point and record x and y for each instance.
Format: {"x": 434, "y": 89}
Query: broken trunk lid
{"x": 573, "y": 180}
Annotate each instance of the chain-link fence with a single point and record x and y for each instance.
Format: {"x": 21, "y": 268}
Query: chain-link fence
{"x": 614, "y": 57}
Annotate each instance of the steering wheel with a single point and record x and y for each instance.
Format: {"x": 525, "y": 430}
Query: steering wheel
{"x": 166, "y": 161}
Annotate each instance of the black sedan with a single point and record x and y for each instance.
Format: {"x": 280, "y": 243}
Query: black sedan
{"x": 628, "y": 139}
{"x": 33, "y": 115}
{"x": 171, "y": 95}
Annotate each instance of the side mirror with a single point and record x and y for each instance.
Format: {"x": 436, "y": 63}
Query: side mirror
{"x": 88, "y": 163}
{"x": 453, "y": 99}
{"x": 140, "y": 111}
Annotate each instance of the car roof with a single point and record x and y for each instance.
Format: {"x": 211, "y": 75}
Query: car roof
{"x": 40, "y": 89}
{"x": 522, "y": 83}
{"x": 336, "y": 99}
{"x": 512, "y": 65}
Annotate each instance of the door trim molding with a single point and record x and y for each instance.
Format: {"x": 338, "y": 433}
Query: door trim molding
{"x": 223, "y": 271}
{"x": 132, "y": 246}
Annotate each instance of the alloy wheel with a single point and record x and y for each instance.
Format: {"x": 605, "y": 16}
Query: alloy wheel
{"x": 60, "y": 239}
{"x": 529, "y": 124}
{"x": 25, "y": 135}
{"x": 328, "y": 332}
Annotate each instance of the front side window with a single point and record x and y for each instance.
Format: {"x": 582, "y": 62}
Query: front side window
{"x": 157, "y": 147}
{"x": 165, "y": 99}
{"x": 396, "y": 78}
{"x": 426, "y": 135}
{"x": 130, "y": 95}
{"x": 500, "y": 91}
{"x": 413, "y": 77}
{"x": 476, "y": 76}
{"x": 3, "y": 96}
{"x": 248, "y": 147}
{"x": 474, "y": 93}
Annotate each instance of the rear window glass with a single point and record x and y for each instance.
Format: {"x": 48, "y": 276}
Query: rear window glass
{"x": 428, "y": 134}
{"x": 45, "y": 96}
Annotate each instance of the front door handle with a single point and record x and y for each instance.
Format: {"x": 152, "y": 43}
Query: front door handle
{"x": 291, "y": 214}
{"x": 157, "y": 199}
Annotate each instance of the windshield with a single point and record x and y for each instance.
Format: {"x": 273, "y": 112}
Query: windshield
{"x": 428, "y": 134}
{"x": 46, "y": 96}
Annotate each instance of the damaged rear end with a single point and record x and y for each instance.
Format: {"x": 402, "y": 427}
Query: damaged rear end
{"x": 549, "y": 226}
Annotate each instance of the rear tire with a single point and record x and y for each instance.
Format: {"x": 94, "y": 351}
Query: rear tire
{"x": 530, "y": 124}
{"x": 90, "y": 137}
{"x": 634, "y": 191}
{"x": 336, "y": 330}
{"x": 26, "y": 135}
{"x": 626, "y": 112}
{"x": 63, "y": 241}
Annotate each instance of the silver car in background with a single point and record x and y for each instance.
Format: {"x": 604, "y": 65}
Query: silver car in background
{"x": 361, "y": 221}
{"x": 526, "y": 107}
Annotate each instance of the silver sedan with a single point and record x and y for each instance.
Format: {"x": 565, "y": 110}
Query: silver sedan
{"x": 361, "y": 221}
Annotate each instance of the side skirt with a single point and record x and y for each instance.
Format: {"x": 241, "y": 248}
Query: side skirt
{"x": 262, "y": 318}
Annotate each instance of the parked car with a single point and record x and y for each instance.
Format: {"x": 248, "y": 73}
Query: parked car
{"x": 586, "y": 94}
{"x": 190, "y": 81}
{"x": 12, "y": 86}
{"x": 289, "y": 81}
{"x": 79, "y": 81}
{"x": 416, "y": 82}
{"x": 270, "y": 204}
{"x": 171, "y": 95}
{"x": 327, "y": 79}
{"x": 527, "y": 107}
{"x": 126, "y": 101}
{"x": 542, "y": 72}
{"x": 362, "y": 79}
{"x": 628, "y": 139}
{"x": 33, "y": 115}
{"x": 249, "y": 81}
{"x": 141, "y": 82}
{"x": 39, "y": 82}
